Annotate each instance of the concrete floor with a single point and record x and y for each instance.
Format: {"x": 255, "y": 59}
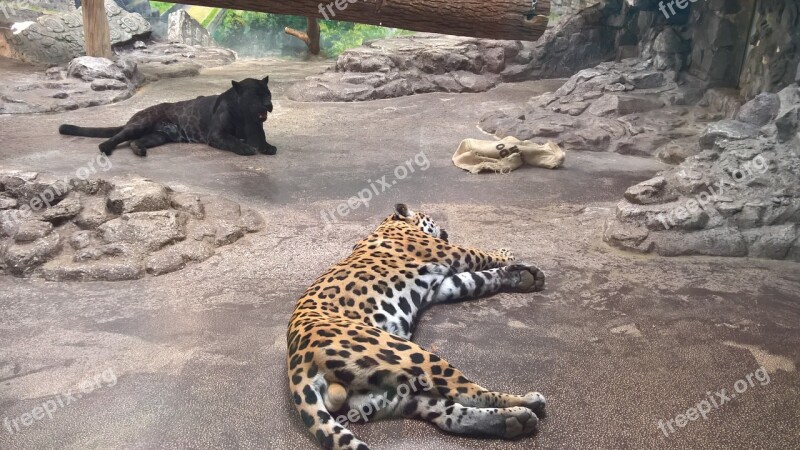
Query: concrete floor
{"x": 616, "y": 342}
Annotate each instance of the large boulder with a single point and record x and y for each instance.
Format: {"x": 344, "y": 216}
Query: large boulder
{"x": 182, "y": 28}
{"x": 58, "y": 38}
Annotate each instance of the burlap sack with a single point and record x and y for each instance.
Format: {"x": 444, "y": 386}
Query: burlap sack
{"x": 476, "y": 156}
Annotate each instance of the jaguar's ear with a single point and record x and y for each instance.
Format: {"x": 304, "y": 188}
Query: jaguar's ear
{"x": 266, "y": 80}
{"x": 237, "y": 87}
{"x": 402, "y": 210}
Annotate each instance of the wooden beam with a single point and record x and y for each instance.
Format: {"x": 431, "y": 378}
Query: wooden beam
{"x": 497, "y": 19}
{"x": 96, "y": 33}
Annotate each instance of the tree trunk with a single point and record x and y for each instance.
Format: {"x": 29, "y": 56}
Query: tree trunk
{"x": 310, "y": 37}
{"x": 96, "y": 33}
{"x": 498, "y": 19}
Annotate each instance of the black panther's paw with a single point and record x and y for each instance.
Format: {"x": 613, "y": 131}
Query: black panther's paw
{"x": 269, "y": 149}
{"x": 106, "y": 149}
{"x": 137, "y": 150}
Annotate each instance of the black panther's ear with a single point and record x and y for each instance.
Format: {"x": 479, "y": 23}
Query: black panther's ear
{"x": 266, "y": 80}
{"x": 237, "y": 87}
{"x": 402, "y": 210}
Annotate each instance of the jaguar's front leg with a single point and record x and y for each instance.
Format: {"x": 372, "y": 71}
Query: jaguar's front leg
{"x": 468, "y": 285}
{"x": 472, "y": 260}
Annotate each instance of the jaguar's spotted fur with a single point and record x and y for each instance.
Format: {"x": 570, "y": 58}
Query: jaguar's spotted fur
{"x": 348, "y": 337}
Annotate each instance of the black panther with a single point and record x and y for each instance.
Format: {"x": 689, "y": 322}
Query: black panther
{"x": 233, "y": 121}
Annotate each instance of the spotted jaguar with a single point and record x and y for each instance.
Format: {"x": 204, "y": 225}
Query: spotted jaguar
{"x": 350, "y": 357}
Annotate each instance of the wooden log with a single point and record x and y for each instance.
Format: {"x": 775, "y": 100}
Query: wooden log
{"x": 96, "y": 32}
{"x": 310, "y": 37}
{"x": 497, "y": 19}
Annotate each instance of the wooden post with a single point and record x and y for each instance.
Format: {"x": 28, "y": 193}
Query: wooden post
{"x": 96, "y": 33}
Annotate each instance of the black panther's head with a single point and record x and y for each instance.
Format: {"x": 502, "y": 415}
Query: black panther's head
{"x": 255, "y": 99}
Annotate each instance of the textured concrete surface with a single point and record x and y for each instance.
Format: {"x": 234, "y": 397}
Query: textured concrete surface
{"x": 616, "y": 342}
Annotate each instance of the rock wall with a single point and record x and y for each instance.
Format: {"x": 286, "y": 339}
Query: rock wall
{"x": 739, "y": 197}
{"x": 182, "y": 28}
{"x": 773, "y": 59}
{"x": 58, "y": 38}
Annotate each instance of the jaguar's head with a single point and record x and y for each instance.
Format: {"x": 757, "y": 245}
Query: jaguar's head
{"x": 419, "y": 220}
{"x": 255, "y": 99}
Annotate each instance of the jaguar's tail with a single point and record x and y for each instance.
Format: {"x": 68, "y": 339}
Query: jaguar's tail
{"x": 73, "y": 130}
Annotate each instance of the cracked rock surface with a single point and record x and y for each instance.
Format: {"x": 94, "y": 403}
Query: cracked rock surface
{"x": 738, "y": 197}
{"x": 119, "y": 229}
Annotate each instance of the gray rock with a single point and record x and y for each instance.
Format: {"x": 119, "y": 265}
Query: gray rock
{"x": 620, "y": 105}
{"x": 251, "y": 221}
{"x": 67, "y": 208}
{"x": 139, "y": 45}
{"x": 188, "y": 203}
{"x": 668, "y": 41}
{"x": 713, "y": 242}
{"x": 7, "y": 202}
{"x": 111, "y": 270}
{"x": 727, "y": 129}
{"x": 81, "y": 239}
{"x": 90, "y": 68}
{"x": 788, "y": 119}
{"x": 760, "y": 110}
{"x": 150, "y": 230}
{"x": 137, "y": 196}
{"x": 31, "y": 230}
{"x": 650, "y": 191}
{"x": 181, "y": 27}
{"x": 108, "y": 85}
{"x": 94, "y": 213}
{"x": 771, "y": 242}
{"x": 22, "y": 259}
{"x": 176, "y": 257}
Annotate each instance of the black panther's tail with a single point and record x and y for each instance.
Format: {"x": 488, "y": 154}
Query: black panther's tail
{"x": 73, "y": 130}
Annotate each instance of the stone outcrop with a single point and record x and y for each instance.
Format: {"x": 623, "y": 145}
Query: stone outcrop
{"x": 81, "y": 230}
{"x": 182, "y": 28}
{"x": 87, "y": 81}
{"x": 628, "y": 107}
{"x": 58, "y": 38}
{"x": 738, "y": 197}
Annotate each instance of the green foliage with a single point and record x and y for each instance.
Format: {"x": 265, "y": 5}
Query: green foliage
{"x": 161, "y": 7}
{"x": 252, "y": 29}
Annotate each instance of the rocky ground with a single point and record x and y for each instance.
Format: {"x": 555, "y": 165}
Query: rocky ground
{"x": 85, "y": 229}
{"x": 617, "y": 341}
{"x": 87, "y": 81}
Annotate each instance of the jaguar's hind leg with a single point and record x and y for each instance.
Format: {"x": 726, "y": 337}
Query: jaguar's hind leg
{"x": 506, "y": 423}
{"x": 151, "y": 140}
{"x": 129, "y": 132}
